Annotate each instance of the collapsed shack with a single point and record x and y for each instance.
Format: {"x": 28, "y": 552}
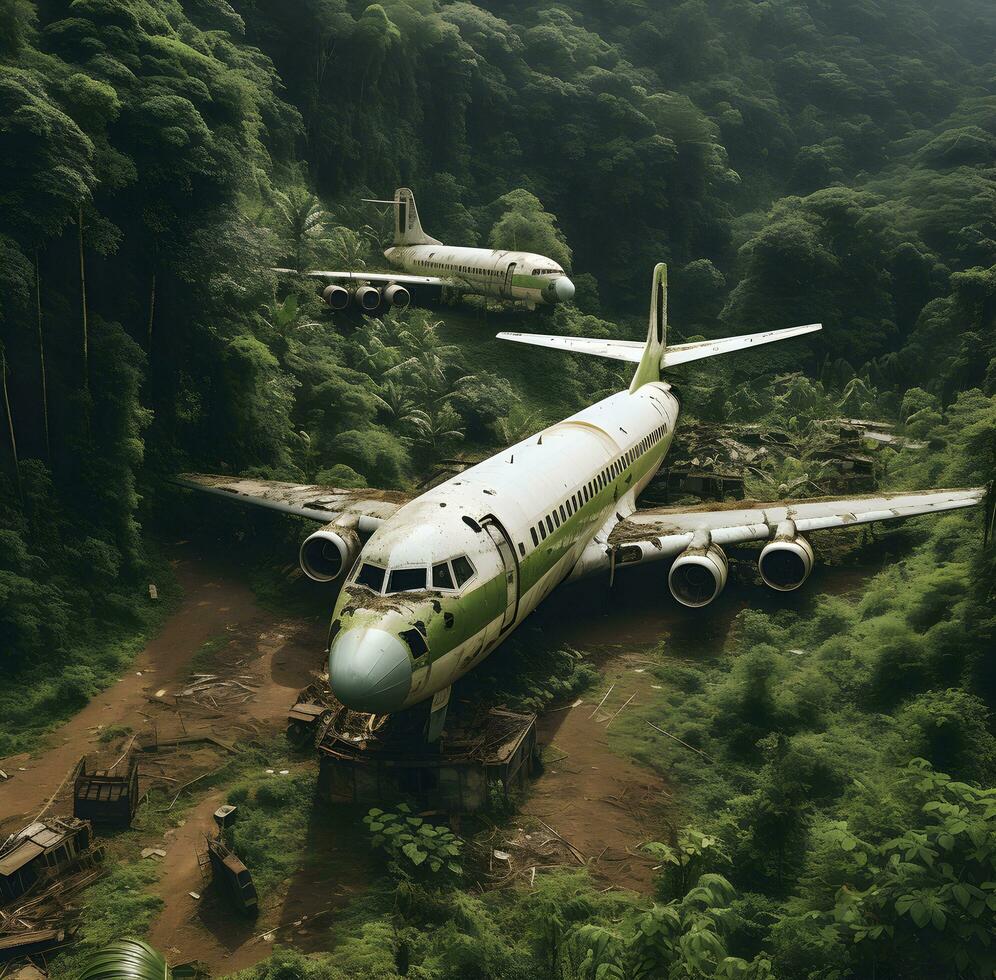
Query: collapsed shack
{"x": 42, "y": 869}
{"x": 386, "y": 761}
{"x": 41, "y": 851}
{"x": 103, "y": 798}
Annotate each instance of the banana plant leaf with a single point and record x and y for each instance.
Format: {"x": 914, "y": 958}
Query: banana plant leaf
{"x": 126, "y": 959}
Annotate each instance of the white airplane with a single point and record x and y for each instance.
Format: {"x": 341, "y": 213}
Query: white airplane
{"x": 427, "y": 264}
{"x": 435, "y": 581}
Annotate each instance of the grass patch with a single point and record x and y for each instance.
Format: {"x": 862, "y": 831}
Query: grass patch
{"x": 272, "y": 824}
{"x": 206, "y": 659}
{"x": 39, "y": 698}
{"x": 113, "y": 732}
{"x": 118, "y": 905}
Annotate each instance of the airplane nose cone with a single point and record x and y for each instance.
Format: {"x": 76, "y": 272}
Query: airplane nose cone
{"x": 369, "y": 670}
{"x": 563, "y": 289}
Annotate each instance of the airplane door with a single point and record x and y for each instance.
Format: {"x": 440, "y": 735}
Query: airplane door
{"x": 509, "y": 272}
{"x": 510, "y": 565}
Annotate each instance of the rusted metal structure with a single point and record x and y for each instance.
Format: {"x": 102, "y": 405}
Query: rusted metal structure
{"x": 233, "y": 877}
{"x": 493, "y": 752}
{"x": 104, "y": 798}
{"x": 43, "y": 849}
{"x": 707, "y": 484}
{"x": 305, "y": 722}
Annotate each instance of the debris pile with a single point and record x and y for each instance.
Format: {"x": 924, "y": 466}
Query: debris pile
{"x": 216, "y": 691}
{"x": 42, "y": 871}
{"x": 713, "y": 460}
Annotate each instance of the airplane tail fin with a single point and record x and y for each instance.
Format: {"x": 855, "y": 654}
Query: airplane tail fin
{"x": 654, "y": 355}
{"x": 649, "y": 367}
{"x": 407, "y": 227}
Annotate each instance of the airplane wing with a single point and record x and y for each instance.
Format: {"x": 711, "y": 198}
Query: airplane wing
{"x": 382, "y": 278}
{"x": 664, "y": 532}
{"x": 317, "y": 503}
{"x": 632, "y": 350}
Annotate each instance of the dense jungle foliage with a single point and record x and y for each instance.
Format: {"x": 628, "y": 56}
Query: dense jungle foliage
{"x": 792, "y": 160}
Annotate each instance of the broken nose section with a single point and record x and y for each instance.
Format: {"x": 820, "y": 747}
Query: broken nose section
{"x": 369, "y": 670}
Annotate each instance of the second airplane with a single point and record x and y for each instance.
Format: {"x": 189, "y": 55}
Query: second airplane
{"x": 427, "y": 265}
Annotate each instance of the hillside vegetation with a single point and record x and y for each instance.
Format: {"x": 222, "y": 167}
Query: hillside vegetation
{"x": 791, "y": 161}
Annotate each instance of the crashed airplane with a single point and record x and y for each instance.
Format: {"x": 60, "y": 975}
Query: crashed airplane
{"x": 435, "y": 581}
{"x": 427, "y": 264}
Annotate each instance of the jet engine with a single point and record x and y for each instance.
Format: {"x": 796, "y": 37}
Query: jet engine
{"x": 367, "y": 298}
{"x": 698, "y": 575}
{"x": 327, "y": 553}
{"x": 786, "y": 562}
{"x": 395, "y": 295}
{"x": 336, "y": 297}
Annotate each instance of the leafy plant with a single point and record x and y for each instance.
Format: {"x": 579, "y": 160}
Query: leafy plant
{"x": 690, "y": 855}
{"x": 416, "y": 849}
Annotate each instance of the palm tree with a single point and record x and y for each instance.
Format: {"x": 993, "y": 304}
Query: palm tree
{"x": 519, "y": 424}
{"x": 437, "y": 430}
{"x": 396, "y": 401}
{"x": 302, "y": 220}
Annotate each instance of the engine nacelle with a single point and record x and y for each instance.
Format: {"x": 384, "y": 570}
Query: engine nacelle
{"x": 786, "y": 562}
{"x": 395, "y": 295}
{"x": 336, "y": 297}
{"x": 329, "y": 552}
{"x": 367, "y": 298}
{"x": 698, "y": 575}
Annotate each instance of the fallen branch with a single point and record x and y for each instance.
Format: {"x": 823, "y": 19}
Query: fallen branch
{"x": 708, "y": 758}
{"x": 600, "y": 703}
{"x": 609, "y": 722}
{"x": 576, "y": 851}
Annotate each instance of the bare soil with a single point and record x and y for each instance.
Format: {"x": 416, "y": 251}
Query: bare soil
{"x": 602, "y": 804}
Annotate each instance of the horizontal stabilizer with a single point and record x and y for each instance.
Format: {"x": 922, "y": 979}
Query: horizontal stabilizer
{"x": 632, "y": 350}
{"x": 683, "y": 353}
{"x": 618, "y": 350}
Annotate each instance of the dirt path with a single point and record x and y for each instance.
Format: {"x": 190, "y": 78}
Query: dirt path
{"x": 212, "y": 604}
{"x": 604, "y": 805}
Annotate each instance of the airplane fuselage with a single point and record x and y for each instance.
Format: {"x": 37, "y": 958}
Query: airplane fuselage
{"x": 445, "y": 579}
{"x": 523, "y": 276}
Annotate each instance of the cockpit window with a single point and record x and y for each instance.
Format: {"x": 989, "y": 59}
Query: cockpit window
{"x": 462, "y": 569}
{"x": 406, "y": 579}
{"x": 371, "y": 576}
{"x": 441, "y": 577}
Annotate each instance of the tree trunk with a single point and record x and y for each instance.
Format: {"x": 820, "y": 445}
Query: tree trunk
{"x": 10, "y": 423}
{"x": 152, "y": 313}
{"x": 41, "y": 360}
{"x": 86, "y": 338}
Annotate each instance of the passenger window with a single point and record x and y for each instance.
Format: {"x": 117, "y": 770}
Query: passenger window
{"x": 549, "y": 523}
{"x": 563, "y": 516}
{"x": 371, "y": 576}
{"x": 532, "y": 531}
{"x": 542, "y": 531}
{"x": 406, "y": 580}
{"x": 441, "y": 577}
{"x": 556, "y": 518}
{"x": 462, "y": 569}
